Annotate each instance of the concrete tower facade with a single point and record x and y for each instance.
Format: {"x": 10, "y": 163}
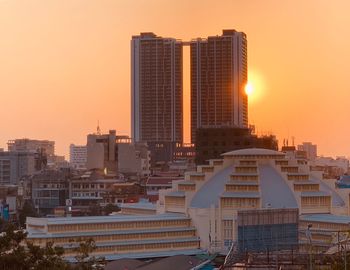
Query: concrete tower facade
{"x": 218, "y": 79}
{"x": 156, "y": 89}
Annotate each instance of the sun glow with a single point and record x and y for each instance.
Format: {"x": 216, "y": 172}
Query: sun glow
{"x": 249, "y": 89}
{"x": 255, "y": 87}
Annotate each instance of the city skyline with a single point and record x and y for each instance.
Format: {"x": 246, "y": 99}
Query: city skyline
{"x": 74, "y": 70}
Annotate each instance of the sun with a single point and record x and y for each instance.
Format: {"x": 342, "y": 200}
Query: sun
{"x": 249, "y": 89}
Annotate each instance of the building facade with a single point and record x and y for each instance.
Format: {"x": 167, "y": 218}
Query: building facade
{"x": 29, "y": 145}
{"x": 156, "y": 88}
{"x": 102, "y": 152}
{"x": 218, "y": 80}
{"x": 156, "y": 94}
{"x": 78, "y": 156}
{"x": 134, "y": 159}
{"x": 50, "y": 189}
{"x": 310, "y": 149}
{"x": 14, "y": 165}
{"x": 212, "y": 142}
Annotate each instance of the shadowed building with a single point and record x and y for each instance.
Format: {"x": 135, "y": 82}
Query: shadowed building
{"x": 211, "y": 142}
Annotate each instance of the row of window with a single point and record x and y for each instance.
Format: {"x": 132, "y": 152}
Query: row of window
{"x": 122, "y": 237}
{"x": 312, "y": 187}
{"x": 187, "y": 187}
{"x": 151, "y": 246}
{"x": 246, "y": 169}
{"x": 315, "y": 201}
{"x": 241, "y": 188}
{"x": 244, "y": 177}
{"x": 300, "y": 177}
{"x": 240, "y": 202}
{"x": 87, "y": 186}
{"x": 175, "y": 201}
{"x": 118, "y": 225}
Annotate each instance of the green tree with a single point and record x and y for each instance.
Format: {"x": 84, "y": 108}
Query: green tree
{"x": 16, "y": 254}
{"x": 84, "y": 260}
{"x": 110, "y": 208}
{"x": 12, "y": 253}
{"x": 95, "y": 210}
{"x": 28, "y": 210}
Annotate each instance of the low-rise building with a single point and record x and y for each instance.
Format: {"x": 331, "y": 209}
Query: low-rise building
{"x": 50, "y": 189}
{"x": 155, "y": 183}
{"x": 119, "y": 236}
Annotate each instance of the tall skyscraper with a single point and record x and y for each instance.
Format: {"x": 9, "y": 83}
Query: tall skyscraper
{"x": 218, "y": 79}
{"x": 156, "y": 94}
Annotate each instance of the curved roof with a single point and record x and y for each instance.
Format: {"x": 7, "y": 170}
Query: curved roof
{"x": 275, "y": 192}
{"x": 210, "y": 192}
{"x": 253, "y": 152}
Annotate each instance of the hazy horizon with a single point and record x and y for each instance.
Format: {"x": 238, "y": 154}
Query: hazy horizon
{"x": 66, "y": 64}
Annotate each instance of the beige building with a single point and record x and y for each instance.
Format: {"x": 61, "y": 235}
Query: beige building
{"x": 102, "y": 152}
{"x": 28, "y": 145}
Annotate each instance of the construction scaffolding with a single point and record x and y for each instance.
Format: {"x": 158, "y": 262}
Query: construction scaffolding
{"x": 270, "y": 229}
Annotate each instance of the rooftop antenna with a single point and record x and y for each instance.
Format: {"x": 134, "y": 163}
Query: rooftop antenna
{"x": 293, "y": 138}
{"x": 98, "y": 128}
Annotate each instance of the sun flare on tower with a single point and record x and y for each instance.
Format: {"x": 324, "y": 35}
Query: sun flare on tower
{"x": 249, "y": 89}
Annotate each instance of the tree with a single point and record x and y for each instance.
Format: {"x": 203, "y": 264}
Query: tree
{"x": 14, "y": 254}
{"x": 84, "y": 260}
{"x": 28, "y": 210}
{"x": 49, "y": 257}
{"x": 110, "y": 208}
{"x": 18, "y": 254}
{"x": 94, "y": 210}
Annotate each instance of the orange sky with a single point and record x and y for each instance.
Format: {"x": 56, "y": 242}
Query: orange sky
{"x": 64, "y": 64}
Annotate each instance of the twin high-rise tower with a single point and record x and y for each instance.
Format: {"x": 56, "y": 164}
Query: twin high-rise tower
{"x": 218, "y": 79}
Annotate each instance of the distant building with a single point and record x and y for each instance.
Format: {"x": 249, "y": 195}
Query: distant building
{"x": 156, "y": 183}
{"x": 218, "y": 80}
{"x": 102, "y": 152}
{"x": 133, "y": 158}
{"x": 156, "y": 94}
{"x": 14, "y": 165}
{"x": 78, "y": 156}
{"x": 50, "y": 189}
{"x": 310, "y": 149}
{"x": 332, "y": 168}
{"x": 34, "y": 146}
{"x": 156, "y": 87}
{"x": 211, "y": 142}
{"x": 94, "y": 188}
{"x": 10, "y": 201}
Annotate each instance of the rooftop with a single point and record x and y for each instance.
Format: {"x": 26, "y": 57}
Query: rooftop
{"x": 105, "y": 219}
{"x": 326, "y": 218}
{"x": 254, "y": 152}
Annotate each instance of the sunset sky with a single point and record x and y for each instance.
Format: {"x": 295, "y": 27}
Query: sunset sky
{"x": 65, "y": 64}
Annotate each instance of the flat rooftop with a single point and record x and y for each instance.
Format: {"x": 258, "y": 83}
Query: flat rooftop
{"x": 105, "y": 219}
